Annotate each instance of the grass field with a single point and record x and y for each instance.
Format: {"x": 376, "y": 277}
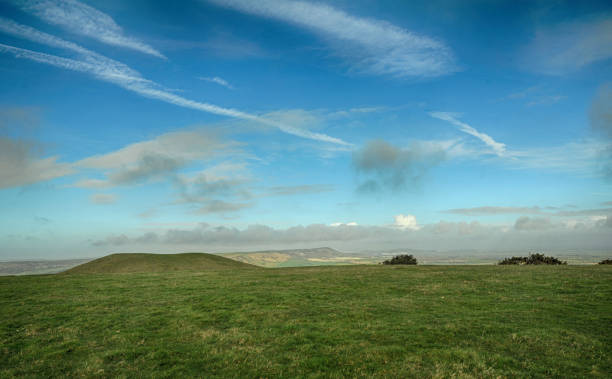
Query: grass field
{"x": 357, "y": 321}
{"x": 156, "y": 263}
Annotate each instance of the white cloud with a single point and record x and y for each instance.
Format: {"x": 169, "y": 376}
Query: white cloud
{"x": 108, "y": 70}
{"x": 218, "y": 80}
{"x": 497, "y": 147}
{"x": 370, "y": 45}
{"x": 352, "y": 223}
{"x": 406, "y": 222}
{"x": 569, "y": 46}
{"x": 82, "y": 19}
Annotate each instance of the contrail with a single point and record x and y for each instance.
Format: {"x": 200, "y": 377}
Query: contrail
{"x": 498, "y": 147}
{"x": 85, "y": 20}
{"x": 108, "y": 70}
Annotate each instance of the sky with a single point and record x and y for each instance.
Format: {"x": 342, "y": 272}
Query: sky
{"x": 234, "y": 125}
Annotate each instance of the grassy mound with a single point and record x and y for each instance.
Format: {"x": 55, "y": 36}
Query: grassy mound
{"x": 128, "y": 263}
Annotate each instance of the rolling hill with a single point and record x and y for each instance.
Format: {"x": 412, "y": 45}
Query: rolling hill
{"x": 321, "y": 256}
{"x": 132, "y": 263}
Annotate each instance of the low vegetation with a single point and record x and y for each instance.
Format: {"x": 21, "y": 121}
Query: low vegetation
{"x": 343, "y": 321}
{"x": 532, "y": 259}
{"x": 606, "y": 262}
{"x": 132, "y": 263}
{"x": 401, "y": 260}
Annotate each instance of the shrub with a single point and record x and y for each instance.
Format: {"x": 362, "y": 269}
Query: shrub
{"x": 606, "y": 262}
{"x": 401, "y": 260}
{"x": 513, "y": 261}
{"x": 532, "y": 259}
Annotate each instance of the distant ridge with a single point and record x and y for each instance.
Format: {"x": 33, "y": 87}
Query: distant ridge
{"x": 141, "y": 262}
{"x": 318, "y": 256}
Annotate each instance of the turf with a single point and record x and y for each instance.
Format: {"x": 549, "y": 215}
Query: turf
{"x": 153, "y": 263}
{"x": 356, "y": 321}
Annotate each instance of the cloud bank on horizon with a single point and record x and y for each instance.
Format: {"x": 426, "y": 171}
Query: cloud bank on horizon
{"x": 355, "y": 126}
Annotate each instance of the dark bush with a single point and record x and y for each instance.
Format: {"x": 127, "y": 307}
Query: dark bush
{"x": 513, "y": 261}
{"x": 606, "y": 262}
{"x": 532, "y": 259}
{"x": 401, "y": 260}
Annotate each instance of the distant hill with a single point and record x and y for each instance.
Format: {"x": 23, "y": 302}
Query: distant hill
{"x": 320, "y": 256}
{"x": 38, "y": 267}
{"x": 125, "y": 263}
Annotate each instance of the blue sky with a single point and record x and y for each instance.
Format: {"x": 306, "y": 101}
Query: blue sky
{"x": 238, "y": 125}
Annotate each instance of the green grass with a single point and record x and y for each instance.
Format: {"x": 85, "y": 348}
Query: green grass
{"x": 356, "y": 321}
{"x": 153, "y": 263}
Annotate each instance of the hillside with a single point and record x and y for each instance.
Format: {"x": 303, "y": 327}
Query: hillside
{"x": 320, "y": 256}
{"x": 127, "y": 263}
{"x": 343, "y": 321}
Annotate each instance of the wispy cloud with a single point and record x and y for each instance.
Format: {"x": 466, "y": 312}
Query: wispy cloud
{"x": 82, "y": 19}
{"x": 497, "y": 147}
{"x": 19, "y": 164}
{"x": 579, "y": 157}
{"x": 151, "y": 159}
{"x": 535, "y": 210}
{"x": 535, "y": 95}
{"x": 109, "y": 70}
{"x": 370, "y": 45}
{"x": 546, "y": 100}
{"x": 103, "y": 198}
{"x": 218, "y": 80}
{"x": 220, "y": 206}
{"x": 297, "y": 190}
{"x": 567, "y": 47}
{"x": 495, "y": 210}
{"x": 522, "y": 93}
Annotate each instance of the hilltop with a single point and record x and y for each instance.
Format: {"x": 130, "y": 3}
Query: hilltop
{"x": 140, "y": 262}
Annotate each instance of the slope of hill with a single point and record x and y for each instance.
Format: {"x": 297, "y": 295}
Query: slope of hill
{"x": 124, "y": 263}
{"x": 321, "y": 256}
{"x": 333, "y": 322}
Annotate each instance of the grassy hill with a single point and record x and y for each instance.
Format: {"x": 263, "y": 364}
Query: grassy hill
{"x": 133, "y": 263}
{"x": 321, "y": 256}
{"x": 333, "y": 321}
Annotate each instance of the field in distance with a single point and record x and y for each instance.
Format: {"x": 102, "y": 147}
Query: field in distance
{"x": 325, "y": 256}
{"x": 385, "y": 321}
{"x": 322, "y": 256}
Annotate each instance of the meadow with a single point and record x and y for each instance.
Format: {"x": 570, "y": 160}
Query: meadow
{"x": 333, "y": 321}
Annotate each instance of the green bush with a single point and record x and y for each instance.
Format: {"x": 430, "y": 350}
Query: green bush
{"x": 401, "y": 260}
{"x": 532, "y": 259}
{"x": 606, "y": 262}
